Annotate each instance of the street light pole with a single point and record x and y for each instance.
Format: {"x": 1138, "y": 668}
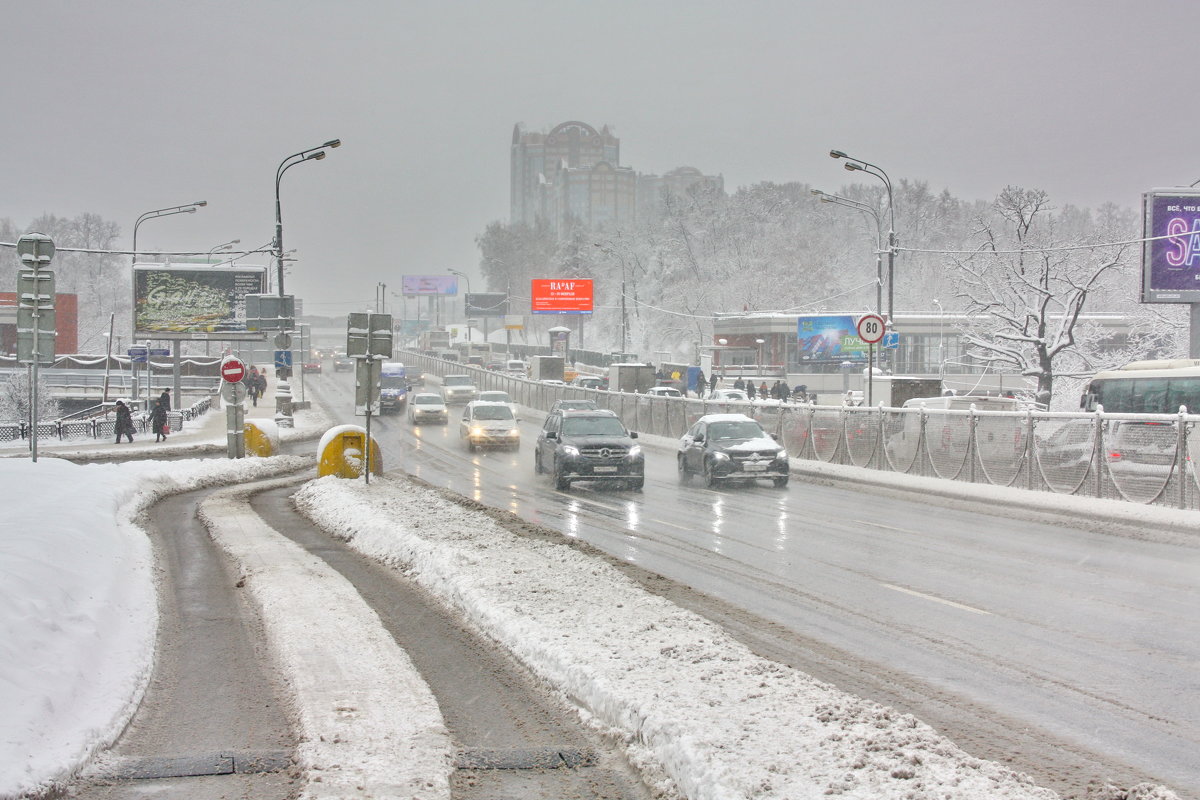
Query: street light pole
{"x": 624, "y": 313}
{"x": 466, "y": 311}
{"x": 187, "y": 208}
{"x": 224, "y": 247}
{"x": 858, "y": 165}
{"x": 311, "y": 154}
{"x": 866, "y": 209}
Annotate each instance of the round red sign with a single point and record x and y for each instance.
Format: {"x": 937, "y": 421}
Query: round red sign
{"x": 233, "y": 370}
{"x": 871, "y": 328}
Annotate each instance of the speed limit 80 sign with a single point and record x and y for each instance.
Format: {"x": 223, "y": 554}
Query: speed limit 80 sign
{"x": 870, "y": 328}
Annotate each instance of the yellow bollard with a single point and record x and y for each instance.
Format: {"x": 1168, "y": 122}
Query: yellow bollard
{"x": 341, "y": 450}
{"x": 261, "y": 440}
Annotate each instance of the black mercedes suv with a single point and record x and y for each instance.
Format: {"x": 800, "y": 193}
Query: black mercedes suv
{"x": 589, "y": 446}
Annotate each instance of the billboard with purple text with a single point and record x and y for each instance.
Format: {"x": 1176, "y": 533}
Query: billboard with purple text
{"x": 1171, "y": 250}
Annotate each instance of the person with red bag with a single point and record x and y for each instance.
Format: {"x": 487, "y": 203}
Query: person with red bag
{"x": 158, "y": 422}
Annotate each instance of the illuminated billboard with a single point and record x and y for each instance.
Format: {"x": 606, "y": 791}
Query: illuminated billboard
{"x": 412, "y": 285}
{"x": 829, "y": 338}
{"x": 191, "y": 302}
{"x": 1171, "y": 252}
{"x": 561, "y": 296}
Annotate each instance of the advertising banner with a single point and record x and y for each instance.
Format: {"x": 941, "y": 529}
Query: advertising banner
{"x": 1171, "y": 254}
{"x": 561, "y": 296}
{"x": 413, "y": 285}
{"x": 829, "y": 338}
{"x": 193, "y": 302}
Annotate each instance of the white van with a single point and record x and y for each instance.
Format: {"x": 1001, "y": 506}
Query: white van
{"x": 945, "y": 434}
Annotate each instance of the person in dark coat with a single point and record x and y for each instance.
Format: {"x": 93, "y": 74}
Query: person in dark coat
{"x": 158, "y": 422}
{"x": 739, "y": 384}
{"x": 124, "y": 426}
{"x": 749, "y": 388}
{"x": 763, "y": 391}
{"x": 164, "y": 399}
{"x": 701, "y": 384}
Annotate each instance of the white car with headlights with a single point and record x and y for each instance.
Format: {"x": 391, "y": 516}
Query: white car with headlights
{"x": 485, "y": 424}
{"x": 458, "y": 389}
{"x": 427, "y": 407}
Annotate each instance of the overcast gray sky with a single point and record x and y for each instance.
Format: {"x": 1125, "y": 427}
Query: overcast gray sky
{"x": 121, "y": 107}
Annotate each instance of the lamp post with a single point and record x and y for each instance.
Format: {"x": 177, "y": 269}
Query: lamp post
{"x": 858, "y": 165}
{"x": 624, "y": 313}
{"x": 224, "y": 247}
{"x": 311, "y": 154}
{"x": 187, "y": 208}
{"x": 866, "y": 209}
{"x": 760, "y": 343}
{"x": 466, "y": 312}
{"x": 941, "y": 341}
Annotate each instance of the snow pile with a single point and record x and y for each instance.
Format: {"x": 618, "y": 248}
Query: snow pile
{"x": 369, "y": 725}
{"x": 78, "y": 610}
{"x": 720, "y": 721}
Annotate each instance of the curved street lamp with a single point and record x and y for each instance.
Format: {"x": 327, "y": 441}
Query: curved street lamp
{"x": 858, "y": 165}
{"x": 223, "y": 247}
{"x": 838, "y": 200}
{"x": 187, "y": 208}
{"x": 311, "y": 154}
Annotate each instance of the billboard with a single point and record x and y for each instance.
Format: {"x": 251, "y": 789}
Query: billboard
{"x": 412, "y": 285}
{"x": 831, "y": 337}
{"x": 487, "y": 304}
{"x": 561, "y": 296}
{"x": 193, "y": 302}
{"x": 1171, "y": 250}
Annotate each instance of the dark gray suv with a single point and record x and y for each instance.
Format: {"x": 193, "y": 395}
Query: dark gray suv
{"x": 731, "y": 447}
{"x": 589, "y": 446}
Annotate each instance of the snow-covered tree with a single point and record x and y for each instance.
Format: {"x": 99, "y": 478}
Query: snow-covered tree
{"x": 1026, "y": 287}
{"x": 14, "y": 399}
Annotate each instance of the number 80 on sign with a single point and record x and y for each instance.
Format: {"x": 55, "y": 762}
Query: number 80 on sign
{"x": 871, "y": 328}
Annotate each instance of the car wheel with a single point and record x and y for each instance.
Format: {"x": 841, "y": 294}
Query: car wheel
{"x": 685, "y": 477}
{"x": 537, "y": 462}
{"x": 710, "y": 480}
{"x": 560, "y": 481}
{"x": 781, "y": 482}
{"x": 637, "y": 483}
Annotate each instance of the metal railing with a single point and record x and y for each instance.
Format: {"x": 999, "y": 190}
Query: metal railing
{"x": 97, "y": 427}
{"x": 1140, "y": 458}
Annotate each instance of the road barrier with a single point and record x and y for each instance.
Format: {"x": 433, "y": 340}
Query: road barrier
{"x": 1139, "y": 458}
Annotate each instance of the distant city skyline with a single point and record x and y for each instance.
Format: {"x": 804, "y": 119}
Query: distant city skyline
{"x": 122, "y": 107}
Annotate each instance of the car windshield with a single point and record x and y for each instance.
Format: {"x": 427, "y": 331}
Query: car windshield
{"x": 493, "y": 412}
{"x": 593, "y": 426}
{"x": 456, "y": 380}
{"x": 393, "y": 382}
{"x": 427, "y": 400}
{"x": 735, "y": 430}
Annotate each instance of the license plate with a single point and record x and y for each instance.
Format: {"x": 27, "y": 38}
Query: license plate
{"x": 754, "y": 467}
{"x": 604, "y": 469}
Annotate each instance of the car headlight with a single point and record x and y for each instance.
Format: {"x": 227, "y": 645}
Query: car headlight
{"x": 635, "y": 452}
{"x": 570, "y": 451}
{"x": 719, "y": 456}
{"x": 476, "y": 431}
{"x": 514, "y": 432}
{"x": 781, "y": 455}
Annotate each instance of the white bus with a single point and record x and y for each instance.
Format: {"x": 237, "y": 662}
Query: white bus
{"x": 1146, "y": 387}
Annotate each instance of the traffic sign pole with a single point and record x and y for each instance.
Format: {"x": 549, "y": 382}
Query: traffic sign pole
{"x": 871, "y": 328}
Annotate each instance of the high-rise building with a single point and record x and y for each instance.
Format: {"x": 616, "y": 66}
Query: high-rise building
{"x": 573, "y": 175}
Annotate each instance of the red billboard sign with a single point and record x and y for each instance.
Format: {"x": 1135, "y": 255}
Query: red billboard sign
{"x": 561, "y": 296}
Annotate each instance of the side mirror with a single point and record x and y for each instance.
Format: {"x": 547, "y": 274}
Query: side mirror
{"x": 699, "y": 437}
{"x": 633, "y": 434}
{"x": 775, "y": 437}
{"x": 551, "y": 436}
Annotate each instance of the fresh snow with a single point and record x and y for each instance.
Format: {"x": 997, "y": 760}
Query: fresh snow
{"x": 696, "y": 710}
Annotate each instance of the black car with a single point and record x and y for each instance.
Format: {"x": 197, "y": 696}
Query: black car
{"x": 589, "y": 446}
{"x": 729, "y": 447}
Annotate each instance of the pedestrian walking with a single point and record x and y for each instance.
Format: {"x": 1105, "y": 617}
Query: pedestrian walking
{"x": 124, "y": 424}
{"x": 252, "y": 385}
{"x": 262, "y": 384}
{"x": 749, "y": 388}
{"x": 158, "y": 422}
{"x": 701, "y": 384}
{"x": 165, "y": 399}
{"x": 739, "y": 384}
{"x": 763, "y": 391}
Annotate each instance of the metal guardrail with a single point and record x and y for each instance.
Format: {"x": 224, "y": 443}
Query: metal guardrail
{"x": 1139, "y": 458}
{"x": 97, "y": 428}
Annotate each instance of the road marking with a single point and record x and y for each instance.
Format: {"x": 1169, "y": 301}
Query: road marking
{"x": 672, "y": 524}
{"x": 885, "y": 527}
{"x": 972, "y": 609}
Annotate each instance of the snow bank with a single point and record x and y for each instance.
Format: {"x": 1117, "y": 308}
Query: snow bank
{"x": 78, "y": 610}
{"x": 720, "y": 721}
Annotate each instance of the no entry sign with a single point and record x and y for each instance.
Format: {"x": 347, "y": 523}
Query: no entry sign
{"x": 233, "y": 370}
